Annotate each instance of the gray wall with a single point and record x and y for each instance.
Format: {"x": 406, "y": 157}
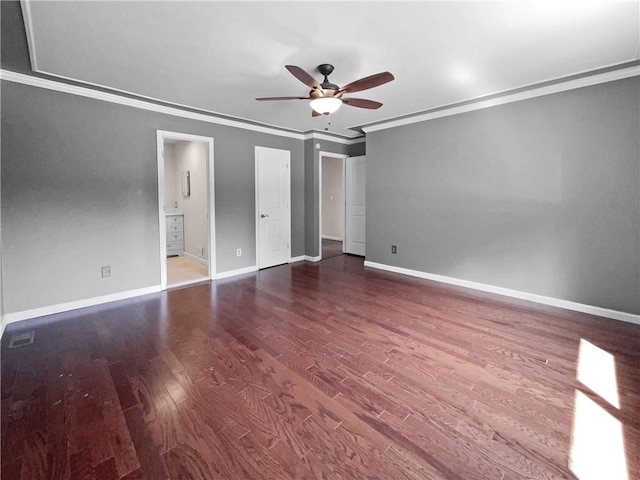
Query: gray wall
{"x": 540, "y": 196}
{"x": 79, "y": 190}
{"x": 14, "y": 48}
{"x": 358, "y": 149}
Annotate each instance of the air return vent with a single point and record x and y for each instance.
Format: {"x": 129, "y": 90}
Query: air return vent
{"x": 21, "y": 339}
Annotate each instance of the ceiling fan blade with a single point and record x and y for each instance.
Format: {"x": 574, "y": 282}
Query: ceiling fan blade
{"x": 283, "y": 98}
{"x": 361, "y": 103}
{"x": 367, "y": 82}
{"x": 303, "y": 76}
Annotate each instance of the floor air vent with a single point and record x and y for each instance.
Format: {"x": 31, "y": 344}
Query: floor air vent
{"x": 21, "y": 339}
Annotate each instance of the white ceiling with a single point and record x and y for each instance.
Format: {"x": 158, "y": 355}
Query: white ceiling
{"x": 219, "y": 56}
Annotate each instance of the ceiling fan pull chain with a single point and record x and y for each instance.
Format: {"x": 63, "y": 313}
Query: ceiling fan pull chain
{"x": 328, "y": 122}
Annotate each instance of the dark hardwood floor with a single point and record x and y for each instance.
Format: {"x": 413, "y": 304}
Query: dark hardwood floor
{"x": 331, "y": 248}
{"x": 325, "y": 370}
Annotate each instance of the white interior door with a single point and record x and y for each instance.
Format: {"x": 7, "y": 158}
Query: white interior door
{"x": 273, "y": 223}
{"x": 355, "y": 203}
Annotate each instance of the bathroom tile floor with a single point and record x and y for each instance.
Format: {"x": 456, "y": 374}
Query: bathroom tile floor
{"x": 183, "y": 270}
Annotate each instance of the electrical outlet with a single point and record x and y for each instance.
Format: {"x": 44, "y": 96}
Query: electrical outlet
{"x": 106, "y": 271}
{"x": 239, "y": 252}
{"x": 394, "y": 249}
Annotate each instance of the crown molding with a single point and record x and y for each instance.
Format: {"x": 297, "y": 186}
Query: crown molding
{"x": 28, "y": 26}
{"x": 524, "y": 93}
{"x": 73, "y": 89}
{"x": 48, "y": 84}
{"x": 333, "y": 138}
{"x": 131, "y": 99}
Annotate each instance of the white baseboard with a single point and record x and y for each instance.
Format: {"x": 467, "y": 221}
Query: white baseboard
{"x": 188, "y": 283}
{"x": 330, "y": 237}
{"x": 239, "y": 271}
{"x": 8, "y": 318}
{"x": 554, "y": 302}
{"x": 195, "y": 258}
{"x": 307, "y": 258}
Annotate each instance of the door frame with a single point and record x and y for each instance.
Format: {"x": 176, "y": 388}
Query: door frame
{"x": 161, "y": 136}
{"x": 343, "y": 157}
{"x": 257, "y": 204}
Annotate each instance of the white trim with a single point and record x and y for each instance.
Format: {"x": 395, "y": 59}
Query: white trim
{"x": 87, "y": 302}
{"x": 161, "y": 136}
{"x": 305, "y": 258}
{"x": 195, "y": 258}
{"x": 554, "y": 302}
{"x": 330, "y": 138}
{"x": 321, "y": 155}
{"x": 239, "y": 271}
{"x": 331, "y": 237}
{"x": 257, "y": 205}
{"x": 452, "y": 109}
{"x": 235, "y": 121}
{"x": 186, "y": 283}
{"x": 177, "y": 110}
{"x": 39, "y": 82}
{"x": 162, "y": 219}
{"x": 3, "y": 325}
{"x": 28, "y": 26}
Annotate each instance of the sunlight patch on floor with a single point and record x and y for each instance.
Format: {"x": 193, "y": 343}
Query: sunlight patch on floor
{"x": 597, "y": 445}
{"x": 597, "y": 371}
{"x": 597, "y": 440}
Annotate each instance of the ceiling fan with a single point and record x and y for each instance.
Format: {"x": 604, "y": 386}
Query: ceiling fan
{"x": 327, "y": 97}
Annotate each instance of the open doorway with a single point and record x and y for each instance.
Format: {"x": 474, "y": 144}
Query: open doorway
{"x": 332, "y": 205}
{"x": 186, "y": 208}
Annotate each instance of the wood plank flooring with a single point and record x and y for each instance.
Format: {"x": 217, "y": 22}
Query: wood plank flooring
{"x": 331, "y": 248}
{"x": 318, "y": 371}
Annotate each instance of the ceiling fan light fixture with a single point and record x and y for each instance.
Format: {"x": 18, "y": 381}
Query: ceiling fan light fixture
{"x": 325, "y": 105}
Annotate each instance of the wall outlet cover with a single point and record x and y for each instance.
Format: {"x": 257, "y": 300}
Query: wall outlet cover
{"x": 106, "y": 271}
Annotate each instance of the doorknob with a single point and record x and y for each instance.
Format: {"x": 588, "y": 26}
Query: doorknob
{"x": 263, "y": 215}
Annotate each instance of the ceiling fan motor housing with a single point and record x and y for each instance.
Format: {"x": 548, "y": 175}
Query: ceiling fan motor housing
{"x": 326, "y": 69}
